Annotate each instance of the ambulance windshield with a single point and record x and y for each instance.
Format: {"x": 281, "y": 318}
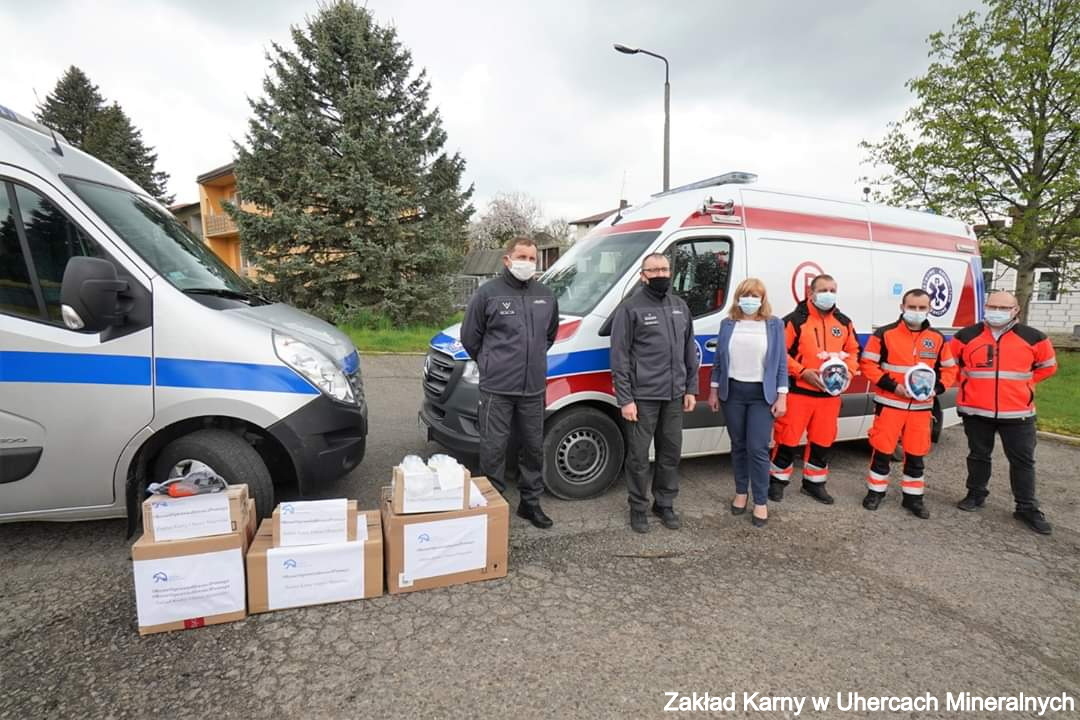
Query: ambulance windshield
{"x": 160, "y": 239}
{"x": 585, "y": 274}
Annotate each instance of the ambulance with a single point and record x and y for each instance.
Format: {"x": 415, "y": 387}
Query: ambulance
{"x": 129, "y": 353}
{"x": 716, "y": 232}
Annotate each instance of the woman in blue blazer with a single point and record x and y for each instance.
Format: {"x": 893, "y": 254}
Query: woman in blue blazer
{"x": 750, "y": 379}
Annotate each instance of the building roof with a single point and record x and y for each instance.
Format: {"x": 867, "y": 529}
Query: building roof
{"x": 594, "y": 219}
{"x": 483, "y": 263}
{"x": 216, "y": 173}
{"x": 180, "y": 207}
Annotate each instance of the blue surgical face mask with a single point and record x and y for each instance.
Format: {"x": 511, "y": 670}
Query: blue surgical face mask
{"x": 749, "y": 304}
{"x": 825, "y": 300}
{"x": 914, "y": 317}
{"x": 998, "y": 318}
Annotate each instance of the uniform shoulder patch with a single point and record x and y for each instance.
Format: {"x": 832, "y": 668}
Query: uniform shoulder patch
{"x": 1029, "y": 334}
{"x": 969, "y": 333}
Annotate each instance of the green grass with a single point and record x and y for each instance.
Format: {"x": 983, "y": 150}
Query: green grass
{"x": 371, "y": 333}
{"x": 1058, "y": 398}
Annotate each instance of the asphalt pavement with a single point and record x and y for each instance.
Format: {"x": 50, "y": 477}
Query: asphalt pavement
{"x": 592, "y": 620}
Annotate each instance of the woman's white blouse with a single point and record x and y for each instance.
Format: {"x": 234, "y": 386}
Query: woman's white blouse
{"x": 747, "y": 349}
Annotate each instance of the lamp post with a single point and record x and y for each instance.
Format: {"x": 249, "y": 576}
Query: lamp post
{"x": 667, "y": 108}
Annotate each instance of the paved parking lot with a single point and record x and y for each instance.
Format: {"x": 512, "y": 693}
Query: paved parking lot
{"x": 593, "y": 620}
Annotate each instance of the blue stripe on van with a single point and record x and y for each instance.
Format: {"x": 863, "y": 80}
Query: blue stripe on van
{"x": 81, "y": 368}
{"x": 211, "y": 374}
{"x": 91, "y": 369}
{"x": 351, "y": 363}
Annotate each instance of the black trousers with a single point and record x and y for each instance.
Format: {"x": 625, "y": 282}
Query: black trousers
{"x": 659, "y": 421}
{"x": 1018, "y": 440}
{"x": 513, "y": 421}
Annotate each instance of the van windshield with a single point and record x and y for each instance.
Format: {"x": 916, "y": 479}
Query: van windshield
{"x": 585, "y": 274}
{"x": 161, "y": 240}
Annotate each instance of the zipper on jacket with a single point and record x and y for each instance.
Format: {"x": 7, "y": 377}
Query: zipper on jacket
{"x": 527, "y": 312}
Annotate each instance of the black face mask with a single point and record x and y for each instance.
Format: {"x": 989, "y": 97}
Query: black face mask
{"x": 660, "y": 285}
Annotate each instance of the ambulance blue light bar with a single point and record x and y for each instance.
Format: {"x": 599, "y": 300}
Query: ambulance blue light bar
{"x": 12, "y": 116}
{"x": 731, "y": 178}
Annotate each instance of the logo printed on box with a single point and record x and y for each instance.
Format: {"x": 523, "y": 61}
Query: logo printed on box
{"x": 160, "y": 577}
{"x": 290, "y": 563}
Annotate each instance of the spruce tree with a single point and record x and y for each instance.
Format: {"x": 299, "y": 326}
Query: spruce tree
{"x": 72, "y": 106}
{"x": 360, "y": 205}
{"x": 77, "y": 110}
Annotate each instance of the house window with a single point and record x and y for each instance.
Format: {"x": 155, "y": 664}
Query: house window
{"x": 1046, "y": 286}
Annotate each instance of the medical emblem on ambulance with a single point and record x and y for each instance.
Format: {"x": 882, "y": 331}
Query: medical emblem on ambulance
{"x": 937, "y": 285}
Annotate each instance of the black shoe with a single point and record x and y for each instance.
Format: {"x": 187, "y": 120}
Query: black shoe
{"x": 667, "y": 517}
{"x": 873, "y": 499}
{"x": 776, "y": 489}
{"x": 1034, "y": 519}
{"x": 758, "y": 522}
{"x": 639, "y": 521}
{"x": 971, "y": 502}
{"x": 914, "y": 505}
{"x": 818, "y": 492}
{"x": 535, "y": 515}
{"x": 736, "y": 510}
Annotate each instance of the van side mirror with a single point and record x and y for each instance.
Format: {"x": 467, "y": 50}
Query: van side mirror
{"x": 90, "y": 295}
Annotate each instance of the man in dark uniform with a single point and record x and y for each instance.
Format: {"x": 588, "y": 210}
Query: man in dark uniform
{"x": 654, "y": 368}
{"x": 510, "y": 323}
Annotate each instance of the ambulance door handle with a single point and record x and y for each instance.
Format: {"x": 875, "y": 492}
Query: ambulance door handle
{"x": 710, "y": 345}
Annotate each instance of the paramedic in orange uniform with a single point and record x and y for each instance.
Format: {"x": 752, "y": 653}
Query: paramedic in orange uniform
{"x": 814, "y": 332}
{"x": 898, "y": 417}
{"x": 1000, "y": 362}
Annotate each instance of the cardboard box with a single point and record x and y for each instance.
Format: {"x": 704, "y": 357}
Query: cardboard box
{"x": 252, "y": 523}
{"x": 435, "y": 550}
{"x": 350, "y": 522}
{"x": 322, "y": 561}
{"x": 184, "y": 584}
{"x": 196, "y": 516}
{"x": 407, "y": 506}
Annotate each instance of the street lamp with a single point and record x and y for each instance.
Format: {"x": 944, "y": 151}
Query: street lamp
{"x": 667, "y": 108}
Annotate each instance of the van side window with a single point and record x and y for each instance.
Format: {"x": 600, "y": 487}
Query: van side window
{"x": 53, "y": 240}
{"x": 700, "y": 269}
{"x": 16, "y": 291}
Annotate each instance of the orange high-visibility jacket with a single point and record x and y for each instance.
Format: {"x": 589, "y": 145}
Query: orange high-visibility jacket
{"x": 998, "y": 375}
{"x": 894, "y": 349}
{"x": 809, "y": 332}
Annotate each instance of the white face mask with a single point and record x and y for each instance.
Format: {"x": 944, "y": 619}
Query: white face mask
{"x": 914, "y": 317}
{"x": 522, "y": 269}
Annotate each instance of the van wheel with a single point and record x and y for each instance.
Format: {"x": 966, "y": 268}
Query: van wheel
{"x": 583, "y": 453}
{"x": 224, "y": 453}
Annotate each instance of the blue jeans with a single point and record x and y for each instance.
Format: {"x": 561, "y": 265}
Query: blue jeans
{"x": 749, "y": 423}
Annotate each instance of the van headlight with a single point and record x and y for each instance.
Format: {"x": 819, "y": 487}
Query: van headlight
{"x": 315, "y": 366}
{"x": 471, "y": 373}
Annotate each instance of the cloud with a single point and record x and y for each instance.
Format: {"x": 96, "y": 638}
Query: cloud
{"x": 531, "y": 94}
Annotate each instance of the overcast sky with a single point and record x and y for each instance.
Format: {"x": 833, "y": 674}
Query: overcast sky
{"x": 531, "y": 93}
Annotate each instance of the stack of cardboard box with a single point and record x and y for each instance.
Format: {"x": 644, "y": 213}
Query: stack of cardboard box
{"x": 465, "y": 541}
{"x": 310, "y": 553}
{"x": 189, "y": 563}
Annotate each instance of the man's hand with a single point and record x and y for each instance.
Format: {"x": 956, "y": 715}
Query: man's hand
{"x": 629, "y": 412}
{"x": 714, "y": 400}
{"x": 902, "y": 391}
{"x": 689, "y": 402}
{"x": 779, "y": 408}
{"x": 813, "y": 377}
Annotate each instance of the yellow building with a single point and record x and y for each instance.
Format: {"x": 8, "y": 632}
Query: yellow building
{"x": 216, "y": 187}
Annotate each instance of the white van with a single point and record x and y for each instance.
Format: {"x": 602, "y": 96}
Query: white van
{"x": 129, "y": 353}
{"x": 716, "y": 233}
